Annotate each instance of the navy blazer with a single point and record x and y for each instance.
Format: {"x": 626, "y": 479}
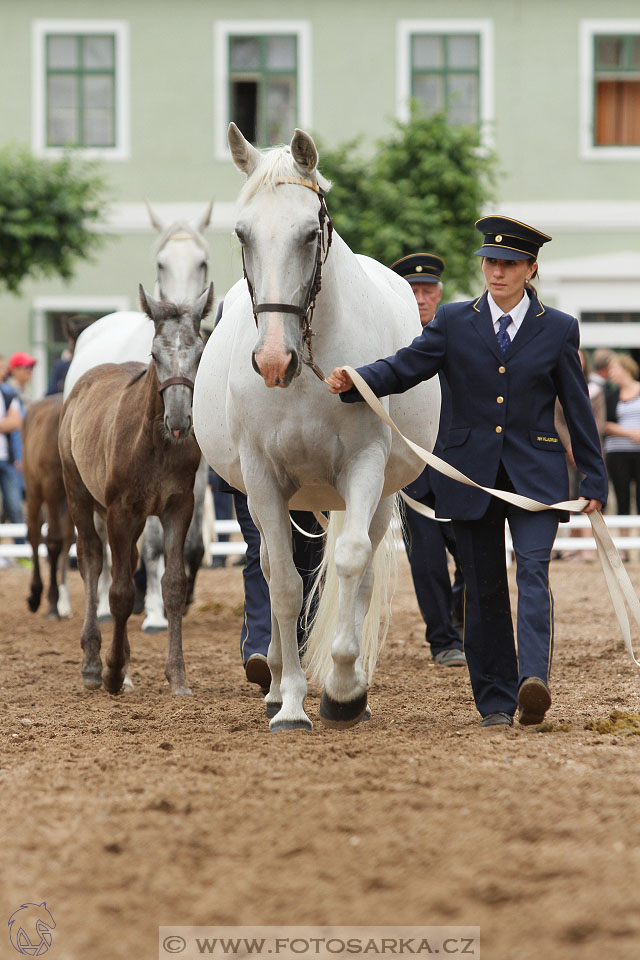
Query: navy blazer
{"x": 501, "y": 408}
{"x": 422, "y": 487}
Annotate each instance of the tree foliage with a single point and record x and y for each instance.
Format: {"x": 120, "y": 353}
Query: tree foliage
{"x": 423, "y": 189}
{"x": 47, "y": 208}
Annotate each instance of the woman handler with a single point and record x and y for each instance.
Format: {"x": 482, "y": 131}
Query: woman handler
{"x": 506, "y": 358}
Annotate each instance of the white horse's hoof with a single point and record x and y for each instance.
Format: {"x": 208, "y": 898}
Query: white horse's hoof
{"x": 272, "y": 708}
{"x": 127, "y": 684}
{"x": 155, "y": 624}
{"x": 339, "y": 715}
{"x": 182, "y": 692}
{"x": 283, "y": 726}
{"x": 64, "y": 603}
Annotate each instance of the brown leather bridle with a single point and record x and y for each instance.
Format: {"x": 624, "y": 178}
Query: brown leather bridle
{"x": 305, "y": 312}
{"x": 171, "y": 380}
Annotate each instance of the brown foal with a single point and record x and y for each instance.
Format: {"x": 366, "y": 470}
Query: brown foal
{"x": 128, "y": 451}
{"x": 43, "y": 482}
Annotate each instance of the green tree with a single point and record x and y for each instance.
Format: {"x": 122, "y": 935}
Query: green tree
{"x": 421, "y": 190}
{"x": 47, "y": 208}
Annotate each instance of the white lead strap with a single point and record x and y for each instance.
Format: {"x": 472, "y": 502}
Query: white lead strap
{"x": 617, "y": 579}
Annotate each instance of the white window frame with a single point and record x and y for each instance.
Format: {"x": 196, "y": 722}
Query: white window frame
{"x": 223, "y": 29}
{"x": 41, "y": 29}
{"x": 64, "y": 304}
{"x": 588, "y": 30}
{"x": 406, "y": 29}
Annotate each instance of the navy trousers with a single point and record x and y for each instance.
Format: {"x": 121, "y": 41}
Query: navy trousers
{"x": 255, "y": 635}
{"x": 427, "y": 542}
{"x": 494, "y": 668}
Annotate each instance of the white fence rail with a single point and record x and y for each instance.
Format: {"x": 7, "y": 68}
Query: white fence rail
{"x": 216, "y": 547}
{"x": 564, "y": 541}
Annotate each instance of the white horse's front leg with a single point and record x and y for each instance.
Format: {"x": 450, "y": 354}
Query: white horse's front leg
{"x": 271, "y": 516}
{"x": 152, "y": 551}
{"x": 273, "y": 700}
{"x": 344, "y": 700}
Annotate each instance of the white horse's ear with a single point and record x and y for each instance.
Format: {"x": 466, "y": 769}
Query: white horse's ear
{"x": 156, "y": 222}
{"x": 204, "y": 219}
{"x": 148, "y": 305}
{"x": 202, "y": 306}
{"x": 245, "y": 156}
{"x": 303, "y": 151}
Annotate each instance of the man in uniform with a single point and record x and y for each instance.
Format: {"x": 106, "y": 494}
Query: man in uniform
{"x": 427, "y": 540}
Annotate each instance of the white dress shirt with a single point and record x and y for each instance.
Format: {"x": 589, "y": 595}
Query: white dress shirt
{"x": 517, "y": 314}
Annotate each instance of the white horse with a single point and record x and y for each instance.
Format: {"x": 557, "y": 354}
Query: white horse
{"x": 300, "y": 447}
{"x": 181, "y": 254}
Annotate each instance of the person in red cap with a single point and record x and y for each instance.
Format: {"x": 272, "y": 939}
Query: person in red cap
{"x": 10, "y": 453}
{"x": 20, "y": 371}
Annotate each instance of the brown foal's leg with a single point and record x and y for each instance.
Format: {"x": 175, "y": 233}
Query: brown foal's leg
{"x": 175, "y": 522}
{"x": 54, "y": 549}
{"x": 34, "y": 522}
{"x": 90, "y": 564}
{"x": 124, "y": 528}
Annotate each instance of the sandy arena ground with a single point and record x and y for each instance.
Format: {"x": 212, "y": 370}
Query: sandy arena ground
{"x": 144, "y": 810}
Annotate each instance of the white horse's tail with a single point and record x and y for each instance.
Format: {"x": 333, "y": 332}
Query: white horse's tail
{"x": 322, "y": 625}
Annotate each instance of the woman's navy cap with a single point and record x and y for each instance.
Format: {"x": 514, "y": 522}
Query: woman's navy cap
{"x": 419, "y": 267}
{"x": 506, "y": 239}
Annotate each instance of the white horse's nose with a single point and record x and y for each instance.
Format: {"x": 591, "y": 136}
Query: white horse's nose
{"x": 274, "y": 369}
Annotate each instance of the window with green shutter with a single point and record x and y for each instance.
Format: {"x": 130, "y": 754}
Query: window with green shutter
{"x": 263, "y": 83}
{"x": 80, "y": 90}
{"x": 445, "y": 75}
{"x": 616, "y": 90}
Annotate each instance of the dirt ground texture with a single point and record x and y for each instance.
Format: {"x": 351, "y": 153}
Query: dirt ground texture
{"x": 127, "y": 813}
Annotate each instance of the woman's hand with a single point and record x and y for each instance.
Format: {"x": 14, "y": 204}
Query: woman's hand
{"x": 592, "y": 505}
{"x": 339, "y": 381}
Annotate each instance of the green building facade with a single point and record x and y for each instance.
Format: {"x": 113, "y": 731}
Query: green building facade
{"x": 149, "y": 88}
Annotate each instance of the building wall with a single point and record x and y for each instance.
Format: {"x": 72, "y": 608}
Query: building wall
{"x": 534, "y": 88}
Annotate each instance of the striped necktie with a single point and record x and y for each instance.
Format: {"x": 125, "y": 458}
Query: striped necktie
{"x": 504, "y": 340}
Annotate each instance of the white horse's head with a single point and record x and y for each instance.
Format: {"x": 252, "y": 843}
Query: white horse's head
{"x": 182, "y": 256}
{"x": 280, "y": 228}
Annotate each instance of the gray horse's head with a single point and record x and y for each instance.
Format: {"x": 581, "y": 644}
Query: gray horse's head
{"x": 279, "y": 229}
{"x": 176, "y": 350}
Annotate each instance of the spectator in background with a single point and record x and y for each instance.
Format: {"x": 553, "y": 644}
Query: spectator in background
{"x": 10, "y": 423}
{"x": 72, "y": 327}
{"x": 622, "y": 431}
{"x": 596, "y": 386}
{"x": 19, "y": 376}
{"x": 600, "y": 368}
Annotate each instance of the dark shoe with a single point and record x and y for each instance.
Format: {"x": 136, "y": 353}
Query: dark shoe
{"x": 497, "y": 720}
{"x": 450, "y": 658}
{"x": 257, "y": 670}
{"x": 534, "y": 699}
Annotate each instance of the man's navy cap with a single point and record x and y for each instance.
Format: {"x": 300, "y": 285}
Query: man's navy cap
{"x": 419, "y": 267}
{"x": 506, "y": 239}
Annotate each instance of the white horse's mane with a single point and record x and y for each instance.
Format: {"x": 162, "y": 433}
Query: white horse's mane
{"x": 276, "y": 163}
{"x": 180, "y": 226}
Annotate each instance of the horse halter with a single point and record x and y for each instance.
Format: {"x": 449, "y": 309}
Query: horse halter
{"x": 305, "y": 312}
{"x": 171, "y": 380}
